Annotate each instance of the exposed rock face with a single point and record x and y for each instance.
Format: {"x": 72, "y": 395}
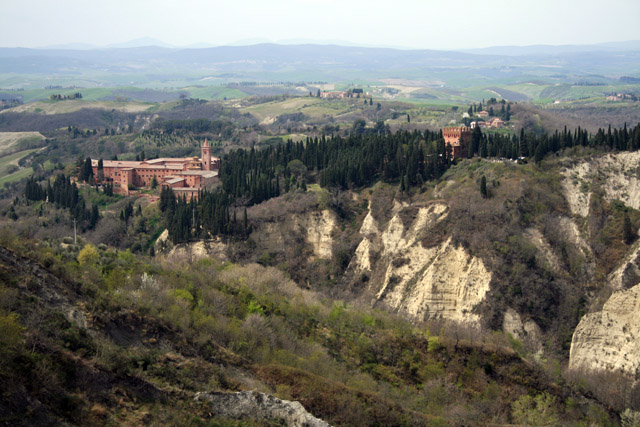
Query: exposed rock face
{"x": 570, "y": 233}
{"x": 254, "y": 405}
{"x": 544, "y": 249}
{"x": 443, "y": 281}
{"x": 198, "y": 250}
{"x": 617, "y": 173}
{"x": 628, "y": 273}
{"x": 319, "y": 227}
{"x": 162, "y": 241}
{"x": 528, "y": 331}
{"x": 315, "y": 227}
{"x": 608, "y": 340}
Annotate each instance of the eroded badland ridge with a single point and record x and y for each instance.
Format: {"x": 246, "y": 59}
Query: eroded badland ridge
{"x": 531, "y": 259}
{"x": 492, "y": 291}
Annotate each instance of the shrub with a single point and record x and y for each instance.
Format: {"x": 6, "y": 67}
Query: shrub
{"x": 89, "y": 255}
{"x": 535, "y": 411}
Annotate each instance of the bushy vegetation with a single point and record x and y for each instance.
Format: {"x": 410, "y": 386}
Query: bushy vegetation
{"x": 64, "y": 194}
{"x": 143, "y": 336}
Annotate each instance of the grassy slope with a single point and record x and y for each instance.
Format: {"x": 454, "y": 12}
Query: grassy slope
{"x": 59, "y": 107}
{"x": 9, "y": 140}
{"x": 12, "y": 160}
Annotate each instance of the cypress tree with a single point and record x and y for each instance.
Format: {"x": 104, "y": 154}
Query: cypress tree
{"x": 483, "y": 187}
{"x": 628, "y": 235}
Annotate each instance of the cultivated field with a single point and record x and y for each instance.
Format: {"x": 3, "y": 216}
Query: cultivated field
{"x": 10, "y": 141}
{"x": 60, "y": 107}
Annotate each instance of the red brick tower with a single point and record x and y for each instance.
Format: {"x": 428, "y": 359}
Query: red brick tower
{"x": 206, "y": 156}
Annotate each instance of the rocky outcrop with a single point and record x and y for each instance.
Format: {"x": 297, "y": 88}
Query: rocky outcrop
{"x": 259, "y": 406}
{"x": 198, "y": 250}
{"x": 315, "y": 227}
{"x": 526, "y": 331}
{"x": 627, "y": 274}
{"x": 617, "y": 173}
{"x": 438, "y": 282}
{"x": 607, "y": 340}
{"x": 319, "y": 227}
{"x": 545, "y": 253}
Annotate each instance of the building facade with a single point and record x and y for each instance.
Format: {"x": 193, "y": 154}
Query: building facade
{"x": 458, "y": 139}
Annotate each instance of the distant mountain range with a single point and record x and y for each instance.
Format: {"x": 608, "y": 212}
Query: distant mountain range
{"x": 314, "y": 62}
{"x": 633, "y": 45}
{"x": 493, "y": 50}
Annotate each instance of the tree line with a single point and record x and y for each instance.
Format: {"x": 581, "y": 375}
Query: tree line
{"x": 530, "y": 145}
{"x": 210, "y": 214}
{"x": 63, "y": 194}
{"x": 407, "y": 158}
{"x": 60, "y": 97}
{"x": 223, "y": 128}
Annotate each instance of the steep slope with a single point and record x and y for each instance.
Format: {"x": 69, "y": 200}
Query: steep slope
{"x": 627, "y": 274}
{"x": 607, "y": 340}
{"x": 166, "y": 343}
{"x": 440, "y": 282}
{"x": 253, "y": 405}
{"x": 616, "y": 174}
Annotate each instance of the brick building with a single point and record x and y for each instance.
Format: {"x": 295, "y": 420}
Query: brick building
{"x": 458, "y": 139}
{"x": 187, "y": 175}
{"x": 334, "y": 95}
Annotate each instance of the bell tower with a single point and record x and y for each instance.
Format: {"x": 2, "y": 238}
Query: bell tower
{"x": 206, "y": 156}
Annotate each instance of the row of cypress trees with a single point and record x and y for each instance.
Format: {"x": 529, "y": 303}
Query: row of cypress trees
{"x": 407, "y": 157}
{"x": 64, "y": 194}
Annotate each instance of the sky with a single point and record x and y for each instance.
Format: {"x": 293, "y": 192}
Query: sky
{"x": 426, "y": 24}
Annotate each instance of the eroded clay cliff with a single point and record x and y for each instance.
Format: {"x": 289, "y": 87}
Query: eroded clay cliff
{"x": 616, "y": 173}
{"x": 251, "y": 405}
{"x": 607, "y": 340}
{"x": 425, "y": 282}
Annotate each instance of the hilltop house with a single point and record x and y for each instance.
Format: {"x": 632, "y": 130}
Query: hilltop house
{"x": 334, "y": 95}
{"x": 458, "y": 139}
{"x": 495, "y": 123}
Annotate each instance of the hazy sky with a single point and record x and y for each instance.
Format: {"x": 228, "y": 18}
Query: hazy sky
{"x": 407, "y": 23}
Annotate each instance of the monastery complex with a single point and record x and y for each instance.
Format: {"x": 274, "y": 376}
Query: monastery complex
{"x": 186, "y": 176}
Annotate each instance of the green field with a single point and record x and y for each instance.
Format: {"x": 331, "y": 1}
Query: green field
{"x": 7, "y": 163}
{"x": 276, "y": 108}
{"x": 12, "y": 159}
{"x": 12, "y": 141}
{"x": 69, "y": 106}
